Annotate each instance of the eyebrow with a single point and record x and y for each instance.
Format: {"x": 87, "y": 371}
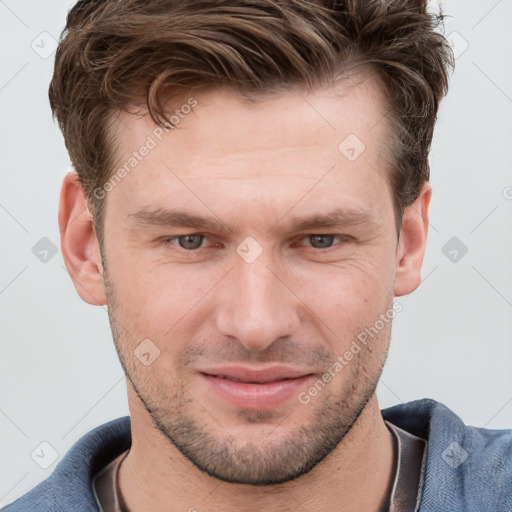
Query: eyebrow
{"x": 337, "y": 218}
{"x": 179, "y": 219}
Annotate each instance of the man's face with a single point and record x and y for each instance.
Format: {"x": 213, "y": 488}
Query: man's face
{"x": 254, "y": 290}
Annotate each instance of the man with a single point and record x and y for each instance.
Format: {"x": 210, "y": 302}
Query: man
{"x": 251, "y": 193}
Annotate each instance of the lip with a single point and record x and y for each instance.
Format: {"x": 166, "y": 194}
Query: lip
{"x": 249, "y": 388}
{"x": 256, "y": 375}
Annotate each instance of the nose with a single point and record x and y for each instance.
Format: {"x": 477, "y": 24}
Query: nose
{"x": 256, "y": 305}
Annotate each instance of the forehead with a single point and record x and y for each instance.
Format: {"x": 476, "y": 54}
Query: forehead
{"x": 354, "y": 103}
{"x": 225, "y": 147}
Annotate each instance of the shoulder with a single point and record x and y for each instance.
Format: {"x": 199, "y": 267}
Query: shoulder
{"x": 467, "y": 468}
{"x": 69, "y": 487}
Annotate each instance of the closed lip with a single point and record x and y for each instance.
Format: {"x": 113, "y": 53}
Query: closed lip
{"x": 255, "y": 375}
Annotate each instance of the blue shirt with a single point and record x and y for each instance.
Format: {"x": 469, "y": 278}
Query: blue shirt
{"x": 468, "y": 469}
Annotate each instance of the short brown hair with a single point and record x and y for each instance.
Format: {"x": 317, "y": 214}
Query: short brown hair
{"x": 111, "y": 48}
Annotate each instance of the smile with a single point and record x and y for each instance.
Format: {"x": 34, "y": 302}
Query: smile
{"x": 255, "y": 389}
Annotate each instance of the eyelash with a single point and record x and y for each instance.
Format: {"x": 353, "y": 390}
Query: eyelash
{"x": 169, "y": 241}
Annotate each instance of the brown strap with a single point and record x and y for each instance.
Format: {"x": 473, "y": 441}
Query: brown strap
{"x": 411, "y": 457}
{"x": 105, "y": 486}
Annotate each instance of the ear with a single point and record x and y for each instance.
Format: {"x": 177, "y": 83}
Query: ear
{"x": 412, "y": 243}
{"x": 79, "y": 244}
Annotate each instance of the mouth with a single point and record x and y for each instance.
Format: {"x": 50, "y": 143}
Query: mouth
{"x": 235, "y": 379}
{"x": 256, "y": 375}
{"x": 256, "y": 389}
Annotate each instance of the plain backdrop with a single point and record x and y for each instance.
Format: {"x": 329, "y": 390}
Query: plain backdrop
{"x": 59, "y": 374}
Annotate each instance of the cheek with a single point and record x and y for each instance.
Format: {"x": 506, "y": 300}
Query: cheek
{"x": 154, "y": 298}
{"x": 347, "y": 291}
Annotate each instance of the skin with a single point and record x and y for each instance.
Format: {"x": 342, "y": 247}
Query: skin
{"x": 254, "y": 167}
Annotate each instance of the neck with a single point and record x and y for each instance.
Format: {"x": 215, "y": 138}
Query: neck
{"x": 356, "y": 476}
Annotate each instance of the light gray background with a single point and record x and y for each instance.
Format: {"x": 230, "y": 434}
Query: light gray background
{"x": 59, "y": 373}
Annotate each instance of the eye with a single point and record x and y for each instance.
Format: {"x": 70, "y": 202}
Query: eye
{"x": 188, "y": 242}
{"x": 324, "y": 241}
{"x": 193, "y": 242}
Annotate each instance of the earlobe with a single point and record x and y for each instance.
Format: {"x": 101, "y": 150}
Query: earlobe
{"x": 413, "y": 238}
{"x": 79, "y": 244}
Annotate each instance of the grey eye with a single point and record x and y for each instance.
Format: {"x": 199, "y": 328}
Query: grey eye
{"x": 190, "y": 242}
{"x": 321, "y": 241}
